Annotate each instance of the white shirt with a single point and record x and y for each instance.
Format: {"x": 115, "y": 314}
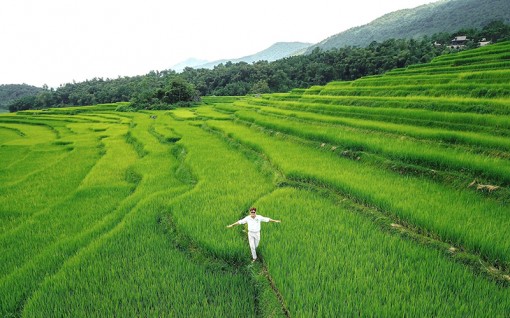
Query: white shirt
{"x": 253, "y": 223}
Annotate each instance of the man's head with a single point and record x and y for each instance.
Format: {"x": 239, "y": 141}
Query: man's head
{"x": 253, "y": 212}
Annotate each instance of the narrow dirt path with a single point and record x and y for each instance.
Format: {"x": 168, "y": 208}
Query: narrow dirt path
{"x": 265, "y": 272}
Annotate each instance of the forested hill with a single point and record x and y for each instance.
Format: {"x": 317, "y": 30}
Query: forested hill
{"x": 11, "y": 92}
{"x": 442, "y": 16}
{"x": 158, "y": 89}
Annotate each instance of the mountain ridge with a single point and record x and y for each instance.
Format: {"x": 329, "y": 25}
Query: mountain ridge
{"x": 443, "y": 16}
{"x": 275, "y": 52}
{"x": 436, "y": 17}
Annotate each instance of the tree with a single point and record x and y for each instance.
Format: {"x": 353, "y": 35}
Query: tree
{"x": 179, "y": 90}
{"x": 176, "y": 92}
{"x": 23, "y": 103}
{"x": 260, "y": 87}
{"x": 496, "y": 31}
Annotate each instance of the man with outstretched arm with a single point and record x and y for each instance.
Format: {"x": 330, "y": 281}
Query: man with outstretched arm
{"x": 253, "y": 221}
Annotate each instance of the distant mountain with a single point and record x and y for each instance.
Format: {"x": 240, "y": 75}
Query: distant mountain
{"x": 443, "y": 16}
{"x": 11, "y": 92}
{"x": 274, "y": 52}
{"x": 191, "y": 62}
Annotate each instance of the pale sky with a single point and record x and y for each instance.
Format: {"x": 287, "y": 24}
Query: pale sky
{"x": 54, "y": 42}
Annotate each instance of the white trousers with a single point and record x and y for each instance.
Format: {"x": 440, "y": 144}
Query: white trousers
{"x": 254, "y": 239}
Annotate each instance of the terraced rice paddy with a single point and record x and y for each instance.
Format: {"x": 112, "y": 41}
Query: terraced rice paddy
{"x": 393, "y": 193}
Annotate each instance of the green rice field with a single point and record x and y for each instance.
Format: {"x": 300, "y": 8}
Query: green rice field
{"x": 393, "y": 192}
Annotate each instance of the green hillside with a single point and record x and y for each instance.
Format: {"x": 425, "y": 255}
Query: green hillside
{"x": 393, "y": 192}
{"x": 438, "y": 17}
{"x": 8, "y": 93}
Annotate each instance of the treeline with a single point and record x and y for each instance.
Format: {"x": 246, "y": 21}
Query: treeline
{"x": 152, "y": 91}
{"x": 317, "y": 68}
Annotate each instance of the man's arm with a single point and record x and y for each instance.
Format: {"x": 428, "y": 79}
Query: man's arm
{"x": 276, "y": 221}
{"x": 233, "y": 224}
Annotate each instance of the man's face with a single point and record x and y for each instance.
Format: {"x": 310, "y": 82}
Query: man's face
{"x": 253, "y": 214}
